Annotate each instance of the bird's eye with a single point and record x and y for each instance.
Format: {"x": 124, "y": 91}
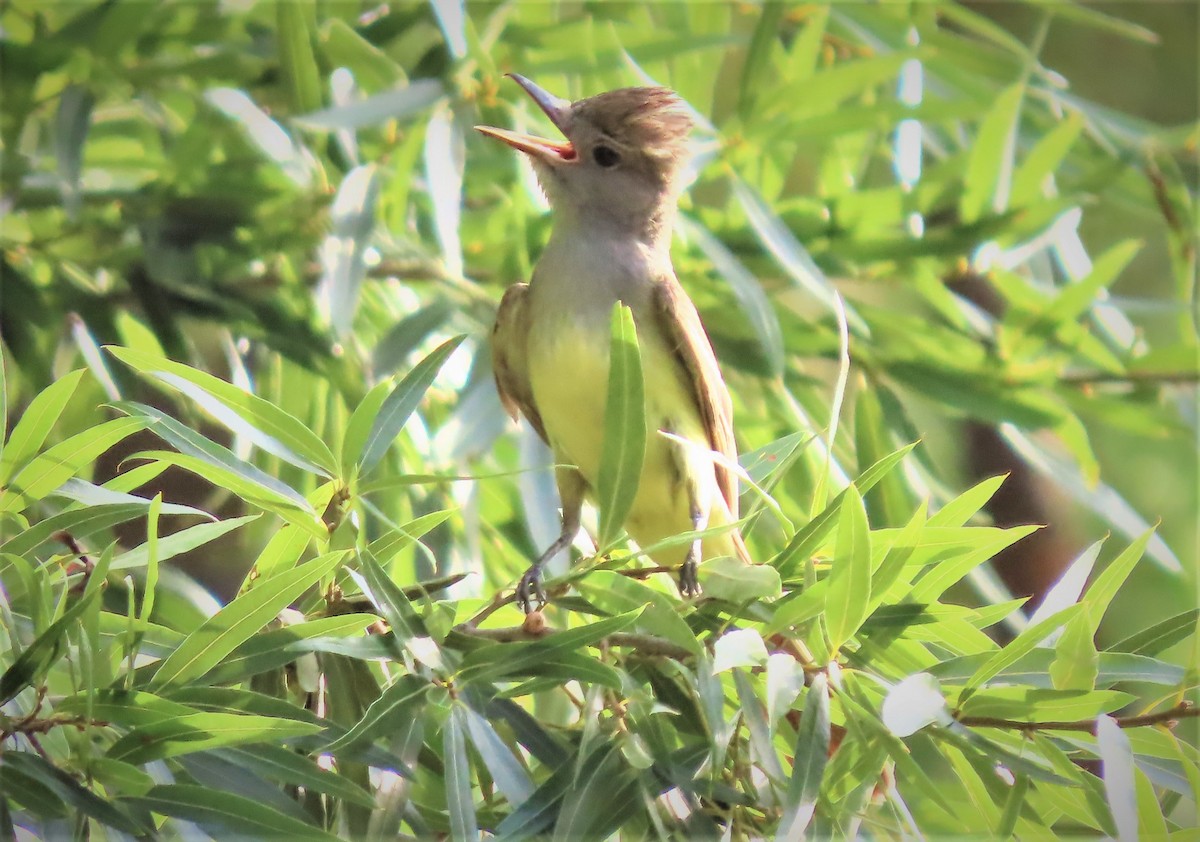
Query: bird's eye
{"x": 606, "y": 156}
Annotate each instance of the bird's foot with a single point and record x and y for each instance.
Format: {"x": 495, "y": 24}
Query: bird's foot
{"x": 530, "y": 588}
{"x": 689, "y": 581}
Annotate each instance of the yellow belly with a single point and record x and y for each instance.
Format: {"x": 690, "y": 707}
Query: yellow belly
{"x": 569, "y": 378}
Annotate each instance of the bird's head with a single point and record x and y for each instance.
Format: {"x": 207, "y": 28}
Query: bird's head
{"x": 622, "y": 156}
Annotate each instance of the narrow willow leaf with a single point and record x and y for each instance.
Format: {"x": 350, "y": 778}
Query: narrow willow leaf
{"x": 69, "y": 791}
{"x": 193, "y": 732}
{"x": 1102, "y": 591}
{"x": 239, "y": 620}
{"x": 390, "y": 600}
{"x": 808, "y": 767}
{"x": 460, "y": 804}
{"x": 762, "y": 733}
{"x": 1024, "y": 643}
{"x": 1117, "y": 772}
{"x": 400, "y": 701}
{"x": 849, "y": 598}
{"x": 444, "y": 163}
{"x": 813, "y": 534}
{"x": 35, "y": 661}
{"x": 890, "y": 501}
{"x": 758, "y": 56}
{"x": 47, "y": 471}
{"x": 508, "y": 773}
{"x": 191, "y": 443}
{"x": 624, "y": 427}
{"x": 1043, "y": 160}
{"x": 963, "y": 507}
{"x": 36, "y": 422}
{"x": 270, "y": 428}
{"x": 225, "y": 813}
{"x": 180, "y": 542}
{"x": 401, "y": 403}
{"x": 601, "y": 799}
{"x": 1161, "y": 635}
{"x": 286, "y": 766}
{"x": 1067, "y": 589}
{"x": 1076, "y": 662}
{"x": 987, "y": 182}
{"x": 296, "y": 31}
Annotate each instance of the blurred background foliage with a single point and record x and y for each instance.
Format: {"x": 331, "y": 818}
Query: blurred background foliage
{"x": 971, "y": 225}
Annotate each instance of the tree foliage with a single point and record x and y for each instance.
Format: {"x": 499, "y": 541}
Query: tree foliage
{"x": 257, "y": 247}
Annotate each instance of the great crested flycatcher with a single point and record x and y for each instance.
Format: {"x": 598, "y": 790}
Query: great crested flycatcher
{"x": 613, "y": 183}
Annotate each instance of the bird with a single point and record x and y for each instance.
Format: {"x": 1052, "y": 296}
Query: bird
{"x": 613, "y": 184}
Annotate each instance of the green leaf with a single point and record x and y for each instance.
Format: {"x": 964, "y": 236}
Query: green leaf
{"x": 46, "y": 472}
{"x": 358, "y": 428}
{"x": 68, "y": 790}
{"x": 510, "y": 777}
{"x": 963, "y": 507}
{"x": 35, "y": 661}
{"x": 1102, "y": 591}
{"x": 754, "y": 714}
{"x": 203, "y": 731}
{"x": 987, "y": 181}
{"x": 487, "y": 663}
{"x": 1076, "y": 663}
{"x": 813, "y": 534}
{"x": 601, "y": 799}
{"x": 1162, "y": 635}
{"x": 758, "y": 56}
{"x": 222, "y": 633}
{"x": 624, "y": 428}
{"x": 190, "y": 443}
{"x": 296, "y": 25}
{"x": 889, "y": 502}
{"x": 1043, "y": 160}
{"x": 460, "y": 804}
{"x": 36, "y": 422}
{"x": 808, "y": 767}
{"x": 400, "y": 701}
{"x": 180, "y": 542}
{"x": 224, "y": 814}
{"x": 733, "y": 580}
{"x": 270, "y": 428}
{"x": 399, "y": 405}
{"x": 389, "y": 599}
{"x": 286, "y": 766}
{"x": 1032, "y": 704}
{"x": 849, "y": 598}
{"x": 1021, "y": 645}
{"x": 1077, "y": 298}
{"x": 278, "y": 647}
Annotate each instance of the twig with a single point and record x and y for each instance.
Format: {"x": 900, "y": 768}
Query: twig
{"x": 644, "y": 643}
{"x": 1180, "y": 711}
{"x": 1131, "y": 377}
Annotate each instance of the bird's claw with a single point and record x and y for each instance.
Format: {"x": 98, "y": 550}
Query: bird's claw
{"x": 530, "y": 587}
{"x": 689, "y": 581}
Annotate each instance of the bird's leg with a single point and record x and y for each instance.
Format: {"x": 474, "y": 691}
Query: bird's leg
{"x": 689, "y": 580}
{"x": 571, "y": 487}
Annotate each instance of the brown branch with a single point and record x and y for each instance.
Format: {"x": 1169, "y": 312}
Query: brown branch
{"x": 643, "y": 643}
{"x": 1088, "y": 378}
{"x": 30, "y": 725}
{"x": 1182, "y": 710}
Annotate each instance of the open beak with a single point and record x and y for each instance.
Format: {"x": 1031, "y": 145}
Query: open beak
{"x": 558, "y": 110}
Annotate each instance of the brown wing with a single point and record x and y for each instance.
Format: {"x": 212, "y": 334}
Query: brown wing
{"x": 680, "y": 324}
{"x": 509, "y": 357}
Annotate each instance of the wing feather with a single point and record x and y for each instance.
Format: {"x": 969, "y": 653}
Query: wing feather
{"x": 510, "y": 362}
{"x": 680, "y": 324}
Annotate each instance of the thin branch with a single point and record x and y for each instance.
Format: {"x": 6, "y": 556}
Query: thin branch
{"x": 1087, "y": 378}
{"x": 1183, "y": 710}
{"x": 644, "y": 643}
